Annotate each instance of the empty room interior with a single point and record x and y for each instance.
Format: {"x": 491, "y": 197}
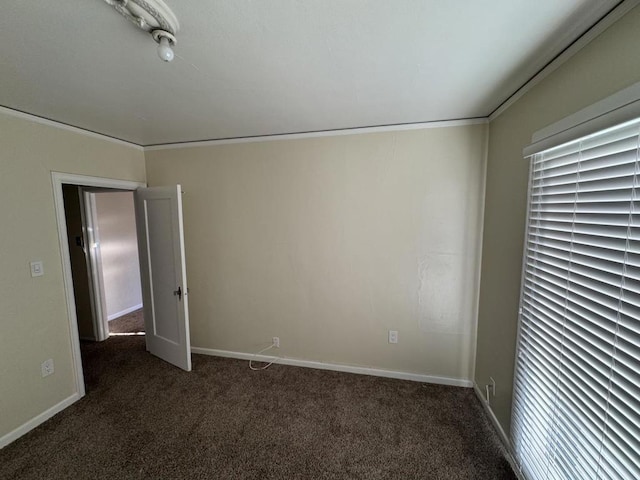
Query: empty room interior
{"x": 320, "y": 239}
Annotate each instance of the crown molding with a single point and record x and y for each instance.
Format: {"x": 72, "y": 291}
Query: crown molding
{"x": 63, "y": 126}
{"x": 319, "y": 133}
{"x": 599, "y": 27}
{"x": 234, "y": 140}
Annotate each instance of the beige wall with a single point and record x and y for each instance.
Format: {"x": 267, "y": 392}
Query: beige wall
{"x": 33, "y": 312}
{"x": 330, "y": 242}
{"x": 605, "y": 66}
{"x": 118, "y": 251}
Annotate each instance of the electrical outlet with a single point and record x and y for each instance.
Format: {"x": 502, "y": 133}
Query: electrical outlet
{"x": 47, "y": 367}
{"x": 276, "y": 342}
{"x": 393, "y": 336}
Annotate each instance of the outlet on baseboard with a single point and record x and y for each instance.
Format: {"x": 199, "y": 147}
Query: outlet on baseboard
{"x": 47, "y": 367}
{"x": 276, "y": 342}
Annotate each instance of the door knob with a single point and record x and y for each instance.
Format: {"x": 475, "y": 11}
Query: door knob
{"x": 178, "y": 292}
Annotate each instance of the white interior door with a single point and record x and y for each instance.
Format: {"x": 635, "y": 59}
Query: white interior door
{"x": 163, "y": 273}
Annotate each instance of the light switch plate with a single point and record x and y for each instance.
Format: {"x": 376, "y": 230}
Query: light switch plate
{"x": 37, "y": 270}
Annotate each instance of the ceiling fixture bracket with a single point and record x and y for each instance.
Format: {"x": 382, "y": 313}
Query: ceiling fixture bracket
{"x": 154, "y": 17}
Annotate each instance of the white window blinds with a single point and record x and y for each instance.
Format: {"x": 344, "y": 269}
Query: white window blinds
{"x": 576, "y": 411}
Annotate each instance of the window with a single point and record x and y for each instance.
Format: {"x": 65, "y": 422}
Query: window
{"x": 576, "y": 410}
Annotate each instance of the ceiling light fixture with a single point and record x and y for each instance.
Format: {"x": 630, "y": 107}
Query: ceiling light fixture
{"x": 154, "y": 17}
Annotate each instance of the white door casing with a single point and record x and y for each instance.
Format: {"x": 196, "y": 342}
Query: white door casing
{"x": 163, "y": 273}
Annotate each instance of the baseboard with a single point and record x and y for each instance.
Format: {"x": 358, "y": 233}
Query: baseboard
{"x": 415, "y": 377}
{"x": 37, "y": 420}
{"x": 124, "y": 312}
{"x": 503, "y": 436}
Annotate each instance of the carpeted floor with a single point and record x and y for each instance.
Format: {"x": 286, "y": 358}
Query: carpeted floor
{"x": 130, "y": 323}
{"x": 143, "y": 418}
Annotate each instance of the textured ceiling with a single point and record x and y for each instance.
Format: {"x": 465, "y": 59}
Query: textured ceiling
{"x": 255, "y": 67}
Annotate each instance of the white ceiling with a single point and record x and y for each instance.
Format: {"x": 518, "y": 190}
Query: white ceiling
{"x": 257, "y": 67}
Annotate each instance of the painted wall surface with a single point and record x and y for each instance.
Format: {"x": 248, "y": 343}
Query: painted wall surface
{"x": 118, "y": 251}
{"x": 603, "y": 67}
{"x": 33, "y": 311}
{"x": 330, "y": 242}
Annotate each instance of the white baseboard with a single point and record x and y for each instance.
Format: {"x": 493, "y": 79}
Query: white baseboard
{"x": 503, "y": 436}
{"x": 37, "y": 420}
{"x": 113, "y": 316}
{"x": 415, "y": 377}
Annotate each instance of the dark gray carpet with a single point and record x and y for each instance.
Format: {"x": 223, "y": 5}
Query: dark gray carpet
{"x": 130, "y": 323}
{"x": 143, "y": 418}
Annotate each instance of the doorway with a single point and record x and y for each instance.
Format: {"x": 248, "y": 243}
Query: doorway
{"x": 103, "y": 250}
{"x": 58, "y": 180}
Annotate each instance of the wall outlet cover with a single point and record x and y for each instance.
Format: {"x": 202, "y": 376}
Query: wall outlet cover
{"x": 47, "y": 367}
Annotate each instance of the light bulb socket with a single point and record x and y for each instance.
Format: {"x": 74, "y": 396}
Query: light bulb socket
{"x": 160, "y": 34}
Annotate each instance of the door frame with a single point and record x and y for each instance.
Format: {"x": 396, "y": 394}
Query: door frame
{"x": 57, "y": 179}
